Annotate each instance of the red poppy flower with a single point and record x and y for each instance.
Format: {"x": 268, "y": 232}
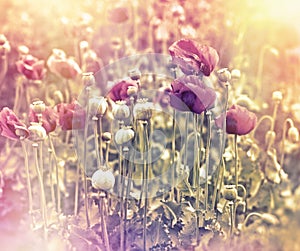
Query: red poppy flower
{"x": 31, "y": 67}
{"x": 11, "y": 126}
{"x": 62, "y": 66}
{"x": 118, "y": 15}
{"x": 49, "y": 118}
{"x": 239, "y": 120}
{"x": 119, "y": 90}
{"x": 71, "y": 116}
{"x": 193, "y": 58}
{"x": 189, "y": 93}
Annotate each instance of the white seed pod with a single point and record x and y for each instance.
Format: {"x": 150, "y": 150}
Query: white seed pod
{"x": 224, "y": 75}
{"x": 124, "y": 135}
{"x": 98, "y": 105}
{"x": 38, "y": 106}
{"x": 88, "y": 79}
{"x": 143, "y": 109}
{"x": 104, "y": 180}
{"x": 277, "y": 96}
{"x": 293, "y": 134}
{"x": 235, "y": 74}
{"x": 121, "y": 111}
{"x": 36, "y": 132}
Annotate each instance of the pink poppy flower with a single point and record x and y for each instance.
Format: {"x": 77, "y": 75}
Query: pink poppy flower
{"x": 189, "y": 93}
{"x": 239, "y": 120}
{"x": 71, "y": 116}
{"x": 119, "y": 90}
{"x": 193, "y": 58}
{"x": 118, "y": 15}
{"x": 11, "y": 126}
{"x": 31, "y": 67}
{"x": 49, "y": 118}
{"x": 62, "y": 66}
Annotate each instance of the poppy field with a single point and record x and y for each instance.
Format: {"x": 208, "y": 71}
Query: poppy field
{"x": 149, "y": 125}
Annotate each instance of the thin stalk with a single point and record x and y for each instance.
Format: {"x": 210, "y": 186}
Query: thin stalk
{"x": 208, "y": 114}
{"x": 172, "y": 194}
{"x": 96, "y": 140}
{"x": 50, "y": 178}
{"x": 40, "y": 179}
{"x": 58, "y": 205}
{"x": 236, "y": 162}
{"x": 146, "y": 172}
{"x": 231, "y": 207}
{"x": 103, "y": 223}
{"x": 288, "y": 120}
{"x": 195, "y": 171}
{"x": 99, "y": 128}
{"x": 274, "y": 115}
{"x": 29, "y": 189}
{"x": 85, "y": 160}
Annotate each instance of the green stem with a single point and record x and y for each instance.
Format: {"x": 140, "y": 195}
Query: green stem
{"x": 172, "y": 194}
{"x": 231, "y": 207}
{"x": 236, "y": 162}
{"x": 96, "y": 141}
{"x": 29, "y": 189}
{"x": 195, "y": 171}
{"x": 40, "y": 179}
{"x": 208, "y": 114}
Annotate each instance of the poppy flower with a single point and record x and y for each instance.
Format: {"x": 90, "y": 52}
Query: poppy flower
{"x": 31, "y": 67}
{"x": 189, "y": 93}
{"x": 193, "y": 58}
{"x": 118, "y": 15}
{"x": 239, "y": 120}
{"x": 62, "y": 66}
{"x": 71, "y": 116}
{"x": 120, "y": 90}
{"x": 49, "y": 118}
{"x": 11, "y": 126}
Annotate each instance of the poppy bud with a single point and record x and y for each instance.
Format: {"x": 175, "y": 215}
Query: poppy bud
{"x": 106, "y": 136}
{"x": 104, "y": 180}
{"x": 224, "y": 75}
{"x": 135, "y": 74}
{"x": 88, "y": 79}
{"x": 124, "y": 135}
{"x": 293, "y": 134}
{"x": 277, "y": 96}
{"x": 241, "y": 207}
{"x": 121, "y": 111}
{"x": 235, "y": 74}
{"x": 270, "y": 138}
{"x": 37, "y": 132}
{"x": 38, "y": 106}
{"x": 230, "y": 192}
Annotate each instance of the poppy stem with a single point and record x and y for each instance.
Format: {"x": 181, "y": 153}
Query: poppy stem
{"x": 288, "y": 120}
{"x": 236, "y": 162}
{"x": 172, "y": 194}
{"x": 208, "y": 115}
{"x": 103, "y": 222}
{"x": 29, "y": 189}
{"x": 96, "y": 139}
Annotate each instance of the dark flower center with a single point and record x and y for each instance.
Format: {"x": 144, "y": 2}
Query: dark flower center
{"x": 188, "y": 98}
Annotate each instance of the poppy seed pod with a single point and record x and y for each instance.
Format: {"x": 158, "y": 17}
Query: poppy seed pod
{"x": 235, "y": 74}
{"x": 106, "y": 136}
{"x": 230, "y": 192}
{"x": 277, "y": 96}
{"x": 293, "y": 134}
{"x": 88, "y": 79}
{"x": 98, "y": 105}
{"x": 143, "y": 109}
{"x": 38, "y": 106}
{"x": 270, "y": 138}
{"x": 135, "y": 74}
{"x": 121, "y": 111}
{"x": 36, "y": 132}
{"x": 124, "y": 135}
{"x": 104, "y": 180}
{"x": 224, "y": 75}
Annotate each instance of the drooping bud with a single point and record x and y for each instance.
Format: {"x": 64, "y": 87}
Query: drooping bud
{"x": 293, "y": 134}
{"x": 270, "y": 138}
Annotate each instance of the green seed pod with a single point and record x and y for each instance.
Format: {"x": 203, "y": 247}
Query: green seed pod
{"x": 104, "y": 180}
{"x": 121, "y": 111}
{"x": 230, "y": 192}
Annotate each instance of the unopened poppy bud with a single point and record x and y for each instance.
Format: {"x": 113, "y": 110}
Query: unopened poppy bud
{"x": 37, "y": 132}
{"x": 38, "y": 106}
{"x": 270, "y": 138}
{"x": 121, "y": 111}
{"x": 224, "y": 75}
{"x": 241, "y": 207}
{"x": 135, "y": 74}
{"x": 230, "y": 192}
{"x": 235, "y": 74}
{"x": 88, "y": 79}
{"x": 293, "y": 134}
{"x": 124, "y": 135}
{"x": 143, "y": 109}
{"x": 277, "y": 96}
{"x": 106, "y": 136}
{"x": 104, "y": 180}
{"x": 23, "y": 50}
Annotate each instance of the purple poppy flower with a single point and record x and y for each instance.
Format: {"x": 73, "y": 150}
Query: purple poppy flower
{"x": 189, "y": 93}
{"x": 31, "y": 67}
{"x": 193, "y": 58}
{"x": 239, "y": 120}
